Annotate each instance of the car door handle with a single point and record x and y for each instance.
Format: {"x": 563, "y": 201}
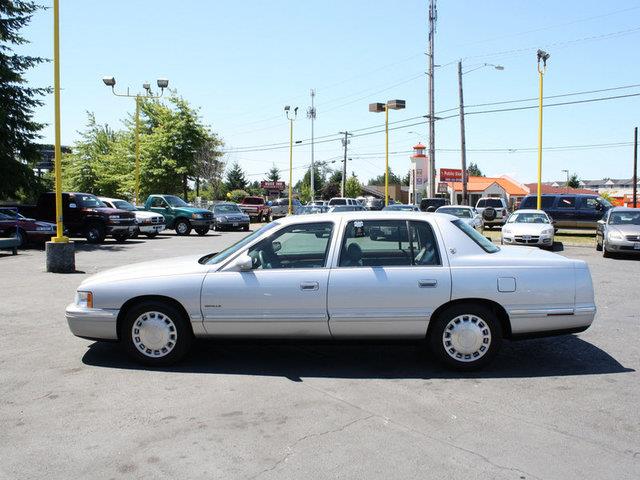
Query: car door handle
{"x": 309, "y": 286}
{"x": 427, "y": 283}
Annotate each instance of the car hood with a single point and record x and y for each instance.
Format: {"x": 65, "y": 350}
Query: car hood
{"x": 155, "y": 268}
{"x": 625, "y": 229}
{"x": 192, "y": 209}
{"x": 113, "y": 211}
{"x": 527, "y": 228}
{"x": 144, "y": 214}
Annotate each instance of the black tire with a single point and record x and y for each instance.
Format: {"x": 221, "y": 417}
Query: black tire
{"x": 245, "y": 228}
{"x": 598, "y": 245}
{"x": 120, "y": 237}
{"x": 606, "y": 253}
{"x": 259, "y": 219}
{"x": 269, "y": 218}
{"x": 183, "y": 227}
{"x": 201, "y": 230}
{"x": 177, "y": 337}
{"x": 489, "y": 214}
{"x": 95, "y": 233}
{"x": 152, "y": 234}
{"x": 215, "y": 227}
{"x": 480, "y": 320}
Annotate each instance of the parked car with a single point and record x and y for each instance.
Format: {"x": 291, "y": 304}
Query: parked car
{"x": 25, "y": 230}
{"x": 345, "y": 208}
{"x": 373, "y": 203}
{"x": 399, "y": 207}
{"x": 317, "y": 203}
{"x": 257, "y": 209}
{"x": 619, "y": 231}
{"x": 84, "y": 216}
{"x": 179, "y": 215}
{"x": 432, "y": 204}
{"x": 227, "y": 215}
{"x": 147, "y": 223}
{"x": 494, "y": 211}
{"x": 570, "y": 210}
{"x": 311, "y": 209}
{"x": 342, "y": 201}
{"x": 528, "y": 227}
{"x": 428, "y": 277}
{"x": 280, "y": 207}
{"x": 469, "y": 215}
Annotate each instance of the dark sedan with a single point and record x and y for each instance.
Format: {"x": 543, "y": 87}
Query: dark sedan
{"x": 227, "y": 215}
{"x": 27, "y": 230}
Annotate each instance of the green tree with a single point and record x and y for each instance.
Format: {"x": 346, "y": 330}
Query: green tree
{"x": 18, "y": 131}
{"x": 474, "y": 171}
{"x": 406, "y": 180}
{"x": 352, "y": 187}
{"x": 274, "y": 174}
{"x": 330, "y": 190}
{"x": 379, "y": 180}
{"x": 209, "y": 164}
{"x": 235, "y": 178}
{"x": 319, "y": 179}
{"x": 574, "y": 181}
{"x": 336, "y": 177}
{"x": 237, "y": 195}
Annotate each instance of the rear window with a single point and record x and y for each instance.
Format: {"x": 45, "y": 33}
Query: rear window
{"x": 478, "y": 238}
{"x": 338, "y": 201}
{"x": 490, "y": 202}
{"x": 253, "y": 201}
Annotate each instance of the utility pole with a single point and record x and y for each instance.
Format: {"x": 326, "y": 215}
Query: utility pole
{"x": 345, "y": 142}
{"x": 635, "y": 167}
{"x": 433, "y": 16}
{"x": 463, "y": 142}
{"x": 311, "y": 114}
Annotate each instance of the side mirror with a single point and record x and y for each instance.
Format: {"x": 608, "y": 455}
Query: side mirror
{"x": 244, "y": 263}
{"x": 599, "y": 207}
{"x": 276, "y": 246}
{"x": 601, "y": 221}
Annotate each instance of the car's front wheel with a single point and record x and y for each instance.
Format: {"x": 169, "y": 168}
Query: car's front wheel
{"x": 202, "y": 230}
{"x": 466, "y": 336}
{"x": 156, "y": 333}
{"x": 183, "y": 227}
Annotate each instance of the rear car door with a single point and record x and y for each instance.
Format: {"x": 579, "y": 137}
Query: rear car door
{"x": 285, "y": 294}
{"x": 388, "y": 278}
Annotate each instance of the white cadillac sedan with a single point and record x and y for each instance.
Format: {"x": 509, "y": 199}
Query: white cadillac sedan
{"x": 367, "y": 275}
{"x": 528, "y": 227}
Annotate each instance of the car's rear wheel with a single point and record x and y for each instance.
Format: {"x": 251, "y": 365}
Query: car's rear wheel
{"x": 156, "y": 333}
{"x": 183, "y": 227}
{"x": 466, "y": 336}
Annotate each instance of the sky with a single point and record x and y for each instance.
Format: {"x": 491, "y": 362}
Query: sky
{"x": 241, "y": 62}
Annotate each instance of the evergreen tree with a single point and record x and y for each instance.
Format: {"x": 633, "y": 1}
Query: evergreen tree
{"x": 574, "y": 181}
{"x": 235, "y": 178}
{"x": 274, "y": 174}
{"x": 379, "y": 180}
{"x": 474, "y": 171}
{"x": 336, "y": 177}
{"x": 18, "y": 130}
{"x": 352, "y": 187}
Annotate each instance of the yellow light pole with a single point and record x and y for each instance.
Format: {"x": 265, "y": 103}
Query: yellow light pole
{"x": 162, "y": 84}
{"x": 542, "y": 56}
{"x": 291, "y": 119}
{"x": 384, "y": 107}
{"x": 59, "y": 238}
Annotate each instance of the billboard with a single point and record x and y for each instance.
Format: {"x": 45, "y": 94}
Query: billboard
{"x": 269, "y": 185}
{"x": 450, "y": 175}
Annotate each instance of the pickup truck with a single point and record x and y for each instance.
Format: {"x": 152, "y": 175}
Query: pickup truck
{"x": 256, "y": 208}
{"x": 179, "y": 215}
{"x": 83, "y": 215}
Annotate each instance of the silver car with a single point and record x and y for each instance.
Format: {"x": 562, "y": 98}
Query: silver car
{"x": 363, "y": 275}
{"x": 468, "y": 214}
{"x": 619, "y": 231}
{"x": 280, "y": 207}
{"x": 528, "y": 227}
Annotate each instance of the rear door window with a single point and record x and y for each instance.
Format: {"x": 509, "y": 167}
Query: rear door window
{"x": 567, "y": 202}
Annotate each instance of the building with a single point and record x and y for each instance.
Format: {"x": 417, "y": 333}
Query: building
{"x": 620, "y": 190}
{"x": 477, "y": 187}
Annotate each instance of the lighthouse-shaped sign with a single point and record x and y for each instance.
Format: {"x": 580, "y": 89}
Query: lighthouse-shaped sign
{"x": 419, "y": 174}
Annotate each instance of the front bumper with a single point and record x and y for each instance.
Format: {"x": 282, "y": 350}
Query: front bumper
{"x": 201, "y": 222}
{"x": 232, "y": 223}
{"x": 92, "y": 323}
{"x": 532, "y": 241}
{"x": 622, "y": 246}
{"x": 121, "y": 229}
{"x": 151, "y": 228}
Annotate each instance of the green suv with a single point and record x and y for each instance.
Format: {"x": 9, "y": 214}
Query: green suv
{"x": 179, "y": 215}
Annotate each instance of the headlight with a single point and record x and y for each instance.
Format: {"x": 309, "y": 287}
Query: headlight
{"x": 547, "y": 231}
{"x": 222, "y": 218}
{"x": 613, "y": 235}
{"x": 197, "y": 215}
{"x": 44, "y": 228}
{"x": 84, "y": 299}
{"x": 506, "y": 231}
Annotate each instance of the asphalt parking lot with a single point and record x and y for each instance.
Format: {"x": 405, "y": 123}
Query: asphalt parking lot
{"x": 560, "y": 408}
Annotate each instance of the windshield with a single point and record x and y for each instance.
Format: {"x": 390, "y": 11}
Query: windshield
{"x": 458, "y": 212}
{"x": 226, "y": 208}
{"x": 624, "y": 218}
{"x": 399, "y": 207}
{"x": 223, "y": 255}
{"x": 490, "y": 202}
{"x": 472, "y": 233}
{"x": 528, "y": 218}
{"x": 122, "y": 205}
{"x": 175, "y": 201}
{"x": 89, "y": 201}
{"x": 9, "y": 214}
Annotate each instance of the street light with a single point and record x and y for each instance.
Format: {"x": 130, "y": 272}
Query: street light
{"x": 162, "y": 84}
{"x": 567, "y": 172}
{"x": 463, "y": 143}
{"x": 542, "y": 57}
{"x": 382, "y": 107}
{"x": 291, "y": 119}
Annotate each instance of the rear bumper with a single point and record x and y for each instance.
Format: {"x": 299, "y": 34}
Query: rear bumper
{"x": 93, "y": 323}
{"x": 548, "y": 321}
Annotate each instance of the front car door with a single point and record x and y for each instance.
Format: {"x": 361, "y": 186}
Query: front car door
{"x": 588, "y": 212}
{"x": 564, "y": 212}
{"x": 284, "y": 294}
{"x": 159, "y": 205}
{"x": 388, "y": 278}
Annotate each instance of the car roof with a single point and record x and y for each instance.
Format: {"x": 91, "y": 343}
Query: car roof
{"x": 109, "y": 199}
{"x": 530, "y": 210}
{"x": 455, "y": 206}
{"x": 625, "y": 209}
{"x": 364, "y": 215}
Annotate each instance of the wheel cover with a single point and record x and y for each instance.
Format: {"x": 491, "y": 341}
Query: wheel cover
{"x": 154, "y": 334}
{"x": 93, "y": 233}
{"x": 466, "y": 338}
{"x": 182, "y": 227}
